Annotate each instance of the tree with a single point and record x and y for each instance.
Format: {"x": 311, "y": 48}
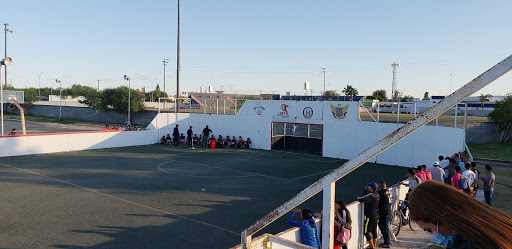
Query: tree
{"x": 331, "y": 93}
{"x": 350, "y": 91}
{"x": 425, "y": 96}
{"x": 380, "y": 95}
{"x": 406, "y": 98}
{"x": 502, "y": 117}
{"x": 484, "y": 97}
{"x": 117, "y": 99}
{"x": 156, "y": 94}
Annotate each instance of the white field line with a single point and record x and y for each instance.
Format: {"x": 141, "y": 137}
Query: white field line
{"x": 125, "y": 200}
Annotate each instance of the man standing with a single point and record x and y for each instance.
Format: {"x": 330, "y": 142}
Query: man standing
{"x": 384, "y": 214}
{"x": 206, "y": 135}
{"x": 470, "y": 177}
{"x": 489, "y": 181}
{"x": 176, "y": 136}
{"x": 437, "y": 173}
{"x": 477, "y": 175}
{"x": 450, "y": 170}
{"x": 189, "y": 138}
{"x": 371, "y": 212}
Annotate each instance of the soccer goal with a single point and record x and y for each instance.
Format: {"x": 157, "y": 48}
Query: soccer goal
{"x": 297, "y": 137}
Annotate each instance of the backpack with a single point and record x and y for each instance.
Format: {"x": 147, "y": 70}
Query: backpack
{"x": 463, "y": 182}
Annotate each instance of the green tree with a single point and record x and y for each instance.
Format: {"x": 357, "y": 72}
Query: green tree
{"x": 502, "y": 117}
{"x": 406, "y": 98}
{"x": 117, "y": 99}
{"x": 484, "y": 97}
{"x": 330, "y": 93}
{"x": 380, "y": 95}
{"x": 156, "y": 94}
{"x": 425, "y": 96}
{"x": 350, "y": 91}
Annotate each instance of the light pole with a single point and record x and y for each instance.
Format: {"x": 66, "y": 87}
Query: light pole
{"x": 129, "y": 98}
{"x": 98, "y": 85}
{"x": 152, "y": 89}
{"x": 6, "y": 30}
{"x": 325, "y": 95}
{"x": 39, "y": 74}
{"x": 165, "y": 63}
{"x": 5, "y": 62}
{"x": 60, "y": 99}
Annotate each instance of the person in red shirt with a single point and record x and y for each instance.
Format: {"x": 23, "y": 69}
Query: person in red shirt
{"x": 13, "y": 132}
{"x": 428, "y": 173}
{"x": 107, "y": 128}
{"x": 420, "y": 173}
{"x": 115, "y": 128}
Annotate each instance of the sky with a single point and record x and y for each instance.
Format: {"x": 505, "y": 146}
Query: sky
{"x": 259, "y": 46}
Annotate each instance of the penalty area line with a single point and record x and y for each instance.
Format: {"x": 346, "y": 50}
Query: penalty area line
{"x": 124, "y": 200}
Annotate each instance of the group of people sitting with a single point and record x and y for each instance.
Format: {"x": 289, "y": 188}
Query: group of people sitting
{"x": 213, "y": 142}
{"x": 121, "y": 128}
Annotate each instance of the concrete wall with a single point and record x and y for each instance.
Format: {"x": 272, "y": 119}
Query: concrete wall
{"x": 343, "y": 138}
{"x": 39, "y": 144}
{"x": 89, "y": 114}
{"x": 478, "y": 133}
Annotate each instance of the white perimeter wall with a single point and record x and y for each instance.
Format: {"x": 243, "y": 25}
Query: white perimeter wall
{"x": 343, "y": 138}
{"x": 40, "y": 144}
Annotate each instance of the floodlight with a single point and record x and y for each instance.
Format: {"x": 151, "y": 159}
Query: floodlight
{"x": 7, "y": 61}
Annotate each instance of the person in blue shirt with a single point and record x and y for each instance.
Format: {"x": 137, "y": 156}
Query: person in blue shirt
{"x": 307, "y": 227}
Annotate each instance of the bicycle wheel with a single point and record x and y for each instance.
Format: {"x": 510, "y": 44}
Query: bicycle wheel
{"x": 413, "y": 225}
{"x": 396, "y": 222}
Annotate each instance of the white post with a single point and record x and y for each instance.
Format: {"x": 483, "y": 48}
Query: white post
{"x": 455, "y": 123}
{"x": 378, "y": 111}
{"x": 217, "y": 106}
{"x": 398, "y": 113}
{"x": 2, "y": 100}
{"x": 224, "y": 106}
{"x": 235, "y": 106}
{"x": 465, "y": 117}
{"x": 414, "y": 110}
{"x": 328, "y": 215}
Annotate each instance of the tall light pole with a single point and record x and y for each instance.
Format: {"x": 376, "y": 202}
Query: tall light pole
{"x": 5, "y": 62}
{"x": 5, "y": 68}
{"x": 165, "y": 63}
{"x": 39, "y": 74}
{"x": 178, "y": 58}
{"x": 60, "y": 108}
{"x": 98, "y": 85}
{"x": 129, "y": 97}
{"x": 325, "y": 94}
{"x": 152, "y": 89}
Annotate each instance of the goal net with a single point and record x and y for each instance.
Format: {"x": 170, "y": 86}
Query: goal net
{"x": 297, "y": 137}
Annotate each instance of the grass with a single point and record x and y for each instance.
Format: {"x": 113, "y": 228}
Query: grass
{"x": 501, "y": 199}
{"x": 443, "y": 119}
{"x": 493, "y": 151}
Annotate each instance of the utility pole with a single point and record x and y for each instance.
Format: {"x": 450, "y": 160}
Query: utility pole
{"x": 5, "y": 68}
{"x": 165, "y": 63}
{"x": 178, "y": 61}
{"x": 39, "y": 74}
{"x": 394, "y": 85}
{"x": 325, "y": 95}
{"x": 451, "y": 83}
{"x": 98, "y": 85}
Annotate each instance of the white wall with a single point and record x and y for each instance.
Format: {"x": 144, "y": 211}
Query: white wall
{"x": 39, "y": 144}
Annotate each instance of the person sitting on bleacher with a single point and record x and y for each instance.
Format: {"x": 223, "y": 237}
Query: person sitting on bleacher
{"x": 168, "y": 139}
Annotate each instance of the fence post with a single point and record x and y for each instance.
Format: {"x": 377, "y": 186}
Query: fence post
{"x": 465, "y": 117}
{"x": 414, "y": 110}
{"x": 224, "y": 106}
{"x": 328, "y": 215}
{"x": 398, "y": 113}
{"x": 378, "y": 111}
{"x": 235, "y": 105}
{"x": 217, "y": 106}
{"x": 190, "y": 105}
{"x": 205, "y": 106}
{"x": 455, "y": 123}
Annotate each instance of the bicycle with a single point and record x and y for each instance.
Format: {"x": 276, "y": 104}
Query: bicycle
{"x": 398, "y": 219}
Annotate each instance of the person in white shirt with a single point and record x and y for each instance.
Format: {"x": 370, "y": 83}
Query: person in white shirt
{"x": 437, "y": 172}
{"x": 470, "y": 177}
{"x": 462, "y": 164}
{"x": 443, "y": 162}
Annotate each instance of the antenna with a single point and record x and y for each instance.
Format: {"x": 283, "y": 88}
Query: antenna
{"x": 394, "y": 89}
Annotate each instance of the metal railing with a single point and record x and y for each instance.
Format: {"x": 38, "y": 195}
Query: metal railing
{"x": 327, "y": 183}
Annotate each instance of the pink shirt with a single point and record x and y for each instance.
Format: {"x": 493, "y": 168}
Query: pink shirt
{"x": 428, "y": 174}
{"x": 455, "y": 181}
{"x": 422, "y": 175}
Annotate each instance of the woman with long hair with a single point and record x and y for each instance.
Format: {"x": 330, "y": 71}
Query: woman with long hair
{"x": 457, "y": 220}
{"x": 307, "y": 227}
{"x": 341, "y": 219}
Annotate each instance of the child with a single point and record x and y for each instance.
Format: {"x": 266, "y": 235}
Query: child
{"x": 307, "y": 227}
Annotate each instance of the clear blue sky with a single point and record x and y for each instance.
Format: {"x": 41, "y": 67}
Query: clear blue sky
{"x": 247, "y": 46}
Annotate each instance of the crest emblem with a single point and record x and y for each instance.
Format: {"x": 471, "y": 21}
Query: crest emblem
{"x": 339, "y": 112}
{"x": 284, "y": 111}
{"x": 259, "y": 109}
{"x": 307, "y": 112}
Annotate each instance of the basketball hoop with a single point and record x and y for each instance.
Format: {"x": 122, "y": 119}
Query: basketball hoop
{"x": 11, "y": 106}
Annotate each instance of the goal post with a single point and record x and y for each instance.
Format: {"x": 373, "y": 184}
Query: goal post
{"x": 300, "y": 137}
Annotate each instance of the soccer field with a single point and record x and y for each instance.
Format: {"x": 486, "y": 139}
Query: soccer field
{"x": 157, "y": 196}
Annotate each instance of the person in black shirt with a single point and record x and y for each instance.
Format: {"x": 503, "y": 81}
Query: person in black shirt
{"x": 206, "y": 135}
{"x": 189, "y": 138}
{"x": 176, "y": 136}
{"x": 384, "y": 214}
{"x": 371, "y": 213}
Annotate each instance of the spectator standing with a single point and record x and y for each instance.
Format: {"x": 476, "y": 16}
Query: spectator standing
{"x": 413, "y": 179}
{"x": 176, "y": 136}
{"x": 384, "y": 214}
{"x": 307, "y": 227}
{"x": 462, "y": 164}
{"x": 477, "y": 175}
{"x": 371, "y": 212}
{"x": 189, "y": 138}
{"x": 470, "y": 177}
{"x": 489, "y": 181}
{"x": 206, "y": 135}
{"x": 443, "y": 163}
{"x": 437, "y": 173}
{"x": 428, "y": 173}
{"x": 450, "y": 170}
{"x": 458, "y": 179}
{"x": 420, "y": 173}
